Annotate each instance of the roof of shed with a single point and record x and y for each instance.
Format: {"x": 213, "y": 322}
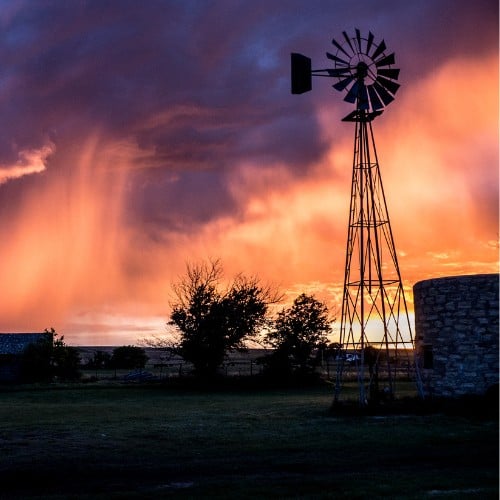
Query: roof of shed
{"x": 15, "y": 343}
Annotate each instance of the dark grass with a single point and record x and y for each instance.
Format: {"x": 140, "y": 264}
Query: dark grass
{"x": 144, "y": 442}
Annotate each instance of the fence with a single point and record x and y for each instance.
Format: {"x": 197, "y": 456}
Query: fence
{"x": 241, "y": 365}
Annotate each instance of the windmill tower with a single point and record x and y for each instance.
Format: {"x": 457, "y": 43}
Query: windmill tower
{"x": 375, "y": 330}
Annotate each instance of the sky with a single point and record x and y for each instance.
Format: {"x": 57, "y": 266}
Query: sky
{"x": 137, "y": 137}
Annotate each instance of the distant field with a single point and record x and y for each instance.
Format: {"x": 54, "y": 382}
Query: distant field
{"x": 122, "y": 441}
{"x": 164, "y": 365}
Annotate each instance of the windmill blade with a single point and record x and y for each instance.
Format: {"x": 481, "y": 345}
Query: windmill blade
{"x": 369, "y": 43}
{"x": 343, "y": 83}
{"x": 379, "y": 50}
{"x": 363, "y": 102}
{"x": 339, "y": 72}
{"x": 383, "y": 94}
{"x": 391, "y": 86}
{"x": 336, "y": 59}
{"x": 392, "y": 73}
{"x": 339, "y": 47}
{"x": 352, "y": 95}
{"x": 347, "y": 39}
{"x": 374, "y": 98}
{"x": 385, "y": 61}
{"x": 358, "y": 38}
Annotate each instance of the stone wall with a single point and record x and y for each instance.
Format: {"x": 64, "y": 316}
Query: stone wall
{"x": 456, "y": 332}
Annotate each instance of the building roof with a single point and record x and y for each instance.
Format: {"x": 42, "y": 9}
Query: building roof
{"x": 15, "y": 343}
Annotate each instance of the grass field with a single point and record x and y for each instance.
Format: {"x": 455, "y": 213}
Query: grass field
{"x": 148, "y": 442}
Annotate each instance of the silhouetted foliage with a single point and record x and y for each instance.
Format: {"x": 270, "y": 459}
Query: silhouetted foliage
{"x": 37, "y": 360}
{"x": 99, "y": 361}
{"x": 371, "y": 358}
{"x": 296, "y": 333}
{"x": 213, "y": 322}
{"x": 128, "y": 357}
{"x": 50, "y": 358}
{"x": 329, "y": 350}
{"x": 66, "y": 360}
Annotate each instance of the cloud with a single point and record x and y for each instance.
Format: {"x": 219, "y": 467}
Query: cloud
{"x": 174, "y": 137}
{"x": 30, "y": 162}
{"x": 443, "y": 158}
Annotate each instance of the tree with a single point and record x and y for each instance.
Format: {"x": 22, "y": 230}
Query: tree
{"x": 371, "y": 358}
{"x": 65, "y": 360}
{"x": 128, "y": 357}
{"x": 50, "y": 357}
{"x": 100, "y": 360}
{"x": 36, "y": 361}
{"x": 331, "y": 350}
{"x": 296, "y": 333}
{"x": 212, "y": 322}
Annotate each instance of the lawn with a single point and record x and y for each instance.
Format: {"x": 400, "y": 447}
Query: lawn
{"x": 126, "y": 441}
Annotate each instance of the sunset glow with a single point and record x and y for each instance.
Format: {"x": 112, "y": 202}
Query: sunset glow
{"x": 137, "y": 139}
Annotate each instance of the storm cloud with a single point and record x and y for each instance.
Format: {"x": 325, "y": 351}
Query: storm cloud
{"x": 138, "y": 136}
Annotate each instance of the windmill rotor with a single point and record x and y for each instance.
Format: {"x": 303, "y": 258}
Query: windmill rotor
{"x": 363, "y": 68}
{"x": 365, "y": 71}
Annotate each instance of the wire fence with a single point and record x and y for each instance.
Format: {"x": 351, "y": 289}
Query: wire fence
{"x": 162, "y": 367}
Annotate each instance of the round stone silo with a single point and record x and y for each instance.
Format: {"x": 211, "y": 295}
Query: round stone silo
{"x": 456, "y": 334}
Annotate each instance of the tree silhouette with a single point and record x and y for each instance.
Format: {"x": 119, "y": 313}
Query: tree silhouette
{"x": 371, "y": 358}
{"x": 128, "y": 357}
{"x": 212, "y": 321}
{"x": 50, "y": 357}
{"x": 297, "y": 332}
{"x": 99, "y": 360}
{"x": 65, "y": 360}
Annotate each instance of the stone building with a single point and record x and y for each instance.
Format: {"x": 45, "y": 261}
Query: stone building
{"x": 12, "y": 346}
{"x": 456, "y": 333}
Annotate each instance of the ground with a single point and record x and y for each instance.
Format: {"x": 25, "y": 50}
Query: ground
{"x": 129, "y": 441}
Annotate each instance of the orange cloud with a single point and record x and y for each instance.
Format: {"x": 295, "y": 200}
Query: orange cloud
{"x": 441, "y": 169}
{"x": 75, "y": 258}
{"x": 31, "y": 161}
{"x": 61, "y": 245}
{"x": 432, "y": 143}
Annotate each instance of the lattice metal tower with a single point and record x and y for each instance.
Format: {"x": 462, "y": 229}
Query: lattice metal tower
{"x": 375, "y": 331}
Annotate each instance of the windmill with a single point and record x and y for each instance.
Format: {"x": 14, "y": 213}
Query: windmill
{"x": 375, "y": 329}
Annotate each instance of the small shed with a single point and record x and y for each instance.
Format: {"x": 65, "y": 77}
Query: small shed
{"x": 12, "y": 346}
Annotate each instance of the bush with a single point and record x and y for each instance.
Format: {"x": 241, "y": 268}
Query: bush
{"x": 50, "y": 358}
{"x": 297, "y": 332}
{"x": 100, "y": 361}
{"x": 213, "y": 322}
{"x": 128, "y": 357}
